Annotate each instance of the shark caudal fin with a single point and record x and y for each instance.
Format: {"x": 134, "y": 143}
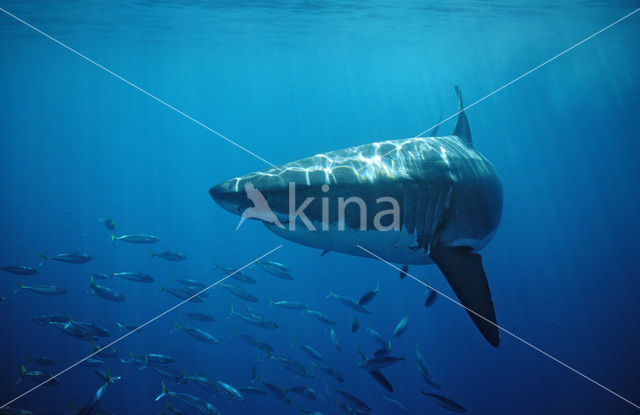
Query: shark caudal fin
{"x": 463, "y": 270}
{"x": 462, "y": 129}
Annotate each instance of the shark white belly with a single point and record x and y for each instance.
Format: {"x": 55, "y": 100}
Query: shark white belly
{"x": 418, "y": 200}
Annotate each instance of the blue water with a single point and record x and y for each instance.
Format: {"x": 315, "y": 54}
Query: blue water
{"x": 292, "y": 79}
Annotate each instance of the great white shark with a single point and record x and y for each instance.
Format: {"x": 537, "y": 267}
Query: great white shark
{"x": 449, "y": 200}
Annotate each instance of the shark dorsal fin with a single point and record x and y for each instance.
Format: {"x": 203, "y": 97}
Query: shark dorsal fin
{"x": 462, "y": 124}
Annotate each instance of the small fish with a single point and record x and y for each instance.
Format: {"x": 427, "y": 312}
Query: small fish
{"x": 322, "y": 317}
{"x": 276, "y": 269}
{"x": 68, "y": 257}
{"x": 158, "y": 359}
{"x": 104, "y": 351}
{"x": 19, "y": 270}
{"x": 130, "y": 327}
{"x": 355, "y": 324}
{"x": 239, "y": 292}
{"x": 310, "y": 351}
{"x": 354, "y": 400}
{"x": 100, "y": 276}
{"x": 231, "y": 391}
{"x": 43, "y": 289}
{"x": 401, "y": 326}
{"x": 254, "y": 319}
{"x": 206, "y": 318}
{"x": 134, "y": 276}
{"x": 93, "y": 401}
{"x": 305, "y": 392}
{"x": 168, "y": 373}
{"x": 334, "y": 339}
{"x": 37, "y": 376}
{"x": 431, "y": 296}
{"x": 193, "y": 401}
{"x": 404, "y": 271}
{"x": 349, "y": 302}
{"x": 184, "y": 294}
{"x": 423, "y": 370}
{"x": 382, "y": 381}
{"x": 292, "y": 366}
{"x": 171, "y": 409}
{"x": 197, "y": 334}
{"x": 106, "y": 292}
{"x": 446, "y": 403}
{"x": 379, "y": 362}
{"x": 92, "y": 362}
{"x": 139, "y": 238}
{"x": 170, "y": 256}
{"x": 291, "y": 305}
{"x": 110, "y": 224}
{"x": 396, "y": 403}
{"x": 368, "y": 296}
{"x": 330, "y": 371}
{"x": 191, "y": 283}
{"x": 8, "y": 410}
{"x": 42, "y": 361}
{"x": 250, "y": 390}
{"x": 44, "y": 319}
{"x": 235, "y": 274}
{"x": 255, "y": 342}
{"x": 254, "y": 371}
{"x": 276, "y": 391}
{"x": 381, "y": 341}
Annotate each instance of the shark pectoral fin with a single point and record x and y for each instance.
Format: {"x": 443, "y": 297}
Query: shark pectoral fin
{"x": 463, "y": 270}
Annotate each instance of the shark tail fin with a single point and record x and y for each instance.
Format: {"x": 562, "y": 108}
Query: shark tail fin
{"x": 331, "y": 294}
{"x": 462, "y": 129}
{"x": 113, "y": 238}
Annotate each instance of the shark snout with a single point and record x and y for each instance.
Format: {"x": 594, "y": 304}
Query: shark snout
{"x": 229, "y": 196}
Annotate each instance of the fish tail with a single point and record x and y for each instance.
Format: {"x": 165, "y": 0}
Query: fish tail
{"x": 107, "y": 377}
{"x": 23, "y": 371}
{"x": 119, "y": 325}
{"x": 146, "y": 361}
{"x": 164, "y": 393}
{"x": 113, "y": 238}
{"x": 20, "y": 286}
{"x": 270, "y": 302}
{"x": 217, "y": 266}
{"x": 176, "y": 326}
{"x": 44, "y": 258}
{"x": 331, "y": 294}
{"x": 91, "y": 281}
{"x": 232, "y": 312}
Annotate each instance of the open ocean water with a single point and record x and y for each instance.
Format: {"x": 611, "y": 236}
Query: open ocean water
{"x": 288, "y": 80}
